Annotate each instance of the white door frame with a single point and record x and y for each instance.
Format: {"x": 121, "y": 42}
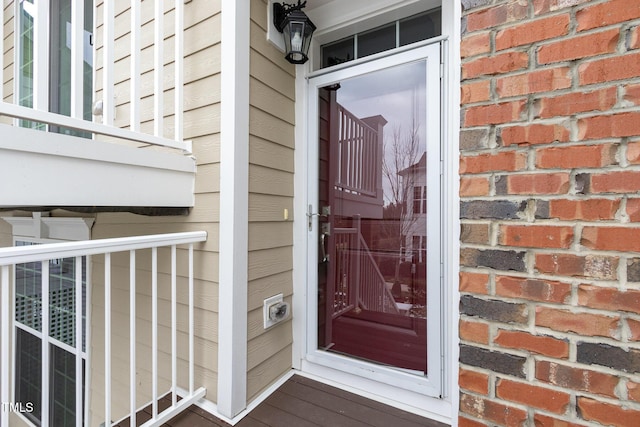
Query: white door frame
{"x": 386, "y": 383}
{"x": 446, "y": 408}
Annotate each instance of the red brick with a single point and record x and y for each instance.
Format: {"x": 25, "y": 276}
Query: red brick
{"x": 530, "y": 395}
{"x": 505, "y": 161}
{"x": 609, "y": 126}
{"x": 536, "y": 236}
{"x": 494, "y": 114}
{"x": 633, "y": 389}
{"x": 609, "y": 69}
{"x": 622, "y": 239}
{"x": 632, "y": 94}
{"x": 490, "y": 410}
{"x": 544, "y": 345}
{"x": 607, "y": 13}
{"x": 541, "y": 420}
{"x": 496, "y": 64}
{"x": 589, "y": 209}
{"x": 611, "y": 299}
{"x": 548, "y": 183}
{"x": 576, "y": 379}
{"x": 534, "y": 82}
{"x": 474, "y": 186}
{"x": 576, "y": 156}
{"x": 579, "y": 47}
{"x": 532, "y": 289}
{"x": 475, "y": 92}
{"x": 634, "y": 328}
{"x": 616, "y": 182}
{"x": 633, "y": 210}
{"x": 532, "y": 31}
{"x": 533, "y": 134}
{"x": 590, "y": 266}
{"x": 474, "y": 331}
{"x": 634, "y": 38}
{"x": 475, "y": 44}
{"x": 607, "y": 413}
{"x": 577, "y": 102}
{"x": 477, "y": 283}
{"x": 633, "y": 152}
{"x": 580, "y": 323}
{"x": 476, "y": 233}
{"x": 546, "y": 6}
{"x": 477, "y": 382}
{"x": 496, "y": 15}
{"x": 466, "y": 422}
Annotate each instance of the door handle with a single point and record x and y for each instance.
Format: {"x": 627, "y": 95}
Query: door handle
{"x": 325, "y": 212}
{"x": 323, "y": 245}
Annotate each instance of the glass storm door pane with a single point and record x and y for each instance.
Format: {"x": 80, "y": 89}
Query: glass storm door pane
{"x": 372, "y": 270}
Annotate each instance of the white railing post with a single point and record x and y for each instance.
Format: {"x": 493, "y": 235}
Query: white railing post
{"x": 45, "y": 342}
{"x": 158, "y": 72}
{"x": 77, "y": 59}
{"x": 107, "y": 339}
{"x": 132, "y": 336}
{"x": 191, "y": 320}
{"x": 154, "y": 331}
{"x": 174, "y": 329}
{"x": 134, "y": 88}
{"x": 5, "y": 331}
{"x": 179, "y": 74}
{"x": 78, "y": 340}
{"x": 41, "y": 56}
{"x": 108, "y": 101}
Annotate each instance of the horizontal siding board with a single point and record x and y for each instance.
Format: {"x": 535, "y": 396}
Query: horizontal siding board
{"x": 268, "y": 208}
{"x": 270, "y": 342}
{"x": 265, "y": 235}
{"x": 268, "y": 127}
{"x": 274, "y": 367}
{"x": 265, "y": 287}
{"x": 270, "y": 181}
{"x": 269, "y": 262}
{"x": 270, "y": 154}
{"x": 269, "y": 100}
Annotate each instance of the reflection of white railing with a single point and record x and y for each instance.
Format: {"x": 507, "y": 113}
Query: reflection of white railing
{"x": 77, "y": 41}
{"x": 359, "y": 282}
{"x": 358, "y": 154}
{"x": 12, "y": 256}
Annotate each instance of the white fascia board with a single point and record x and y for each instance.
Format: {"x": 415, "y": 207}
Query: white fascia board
{"x": 49, "y": 169}
{"x": 234, "y": 208}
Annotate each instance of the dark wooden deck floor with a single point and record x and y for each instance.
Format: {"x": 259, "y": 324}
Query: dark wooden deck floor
{"x": 301, "y": 402}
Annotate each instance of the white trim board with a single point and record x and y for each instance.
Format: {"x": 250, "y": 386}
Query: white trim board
{"x": 234, "y": 209}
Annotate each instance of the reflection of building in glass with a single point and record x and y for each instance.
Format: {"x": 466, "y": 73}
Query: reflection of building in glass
{"x": 415, "y": 225}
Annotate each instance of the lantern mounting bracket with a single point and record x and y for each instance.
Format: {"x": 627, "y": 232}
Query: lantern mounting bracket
{"x": 281, "y": 10}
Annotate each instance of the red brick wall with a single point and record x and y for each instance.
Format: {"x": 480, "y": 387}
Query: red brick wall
{"x": 550, "y": 211}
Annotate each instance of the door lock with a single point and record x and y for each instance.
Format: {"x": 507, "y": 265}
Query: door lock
{"x": 325, "y": 212}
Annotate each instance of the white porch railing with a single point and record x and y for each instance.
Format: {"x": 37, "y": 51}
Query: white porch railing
{"x": 10, "y": 257}
{"x": 359, "y": 282}
{"x": 40, "y": 83}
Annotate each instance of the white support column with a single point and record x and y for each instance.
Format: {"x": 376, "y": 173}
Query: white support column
{"x": 191, "y": 325}
{"x": 108, "y": 97}
{"x": 234, "y": 165}
{"x": 77, "y": 59}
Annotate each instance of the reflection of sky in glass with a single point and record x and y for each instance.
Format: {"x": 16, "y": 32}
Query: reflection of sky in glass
{"x": 397, "y": 93}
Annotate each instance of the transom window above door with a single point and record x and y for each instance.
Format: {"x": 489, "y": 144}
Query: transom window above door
{"x": 389, "y": 36}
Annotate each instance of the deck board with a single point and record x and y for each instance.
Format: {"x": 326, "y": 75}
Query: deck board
{"x": 302, "y": 402}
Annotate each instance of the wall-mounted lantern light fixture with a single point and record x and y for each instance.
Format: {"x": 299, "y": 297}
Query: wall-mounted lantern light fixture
{"x": 296, "y": 28}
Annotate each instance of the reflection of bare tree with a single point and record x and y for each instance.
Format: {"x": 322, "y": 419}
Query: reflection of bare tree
{"x": 401, "y": 153}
